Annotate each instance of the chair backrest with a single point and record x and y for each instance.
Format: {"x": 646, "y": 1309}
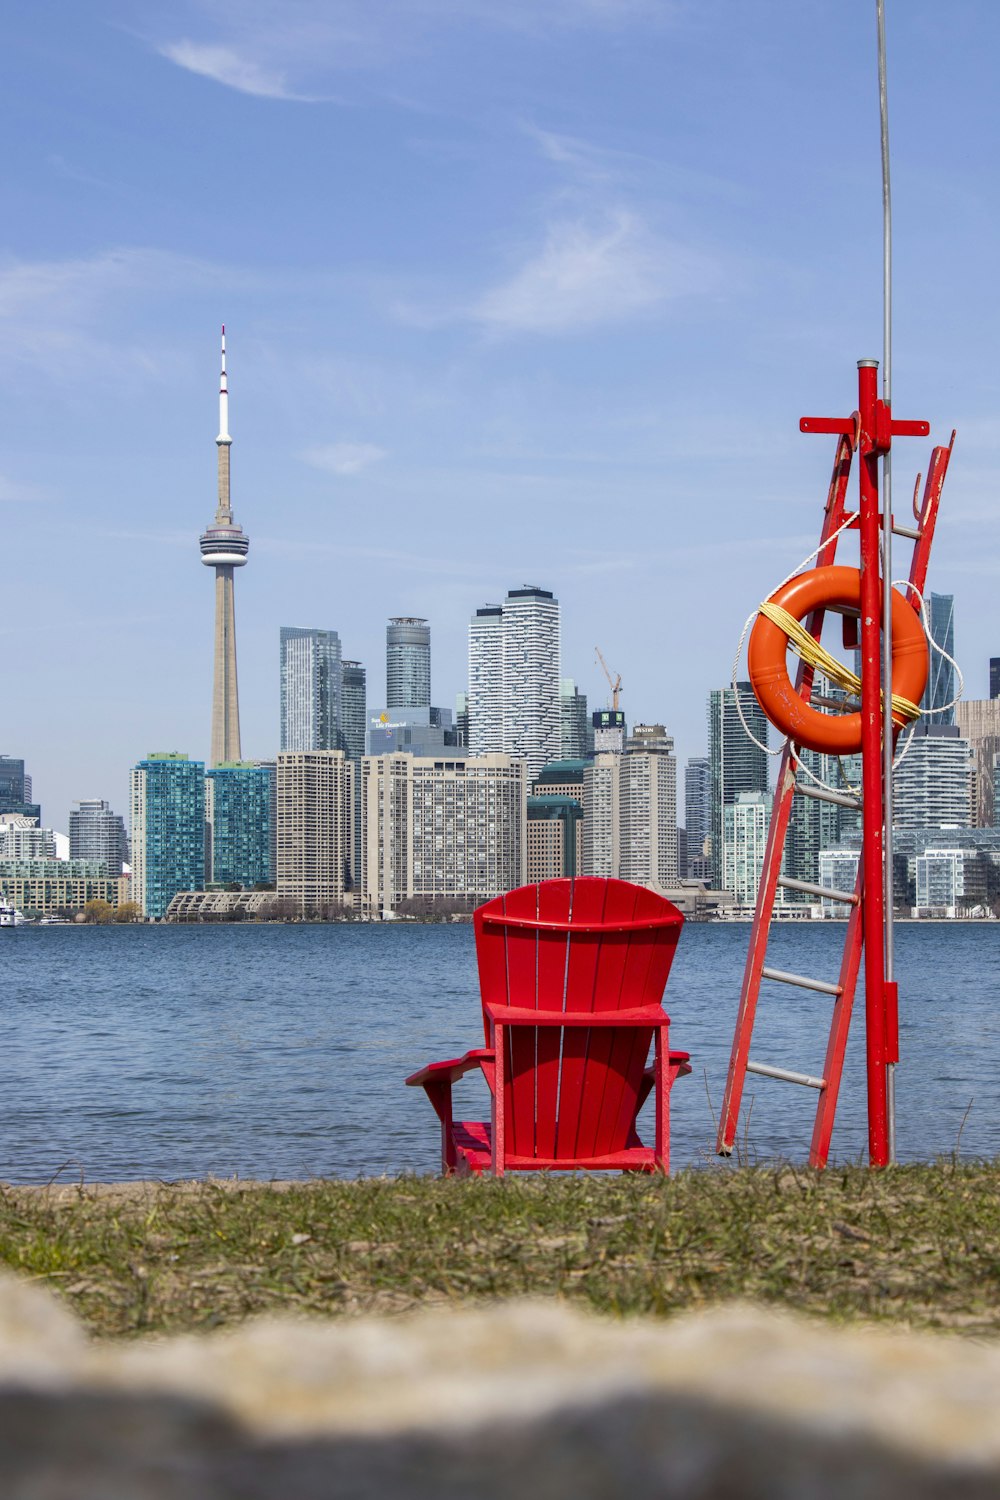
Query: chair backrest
{"x": 590, "y": 944}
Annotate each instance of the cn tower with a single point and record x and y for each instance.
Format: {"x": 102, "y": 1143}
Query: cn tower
{"x": 224, "y": 548}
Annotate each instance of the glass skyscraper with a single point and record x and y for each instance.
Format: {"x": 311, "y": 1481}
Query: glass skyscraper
{"x": 940, "y": 687}
{"x": 168, "y": 830}
{"x": 735, "y": 762}
{"x": 407, "y": 664}
{"x": 238, "y": 801}
{"x": 311, "y": 686}
{"x": 354, "y": 722}
{"x": 15, "y": 789}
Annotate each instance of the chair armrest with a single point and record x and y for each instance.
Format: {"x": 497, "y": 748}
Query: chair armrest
{"x": 452, "y": 1069}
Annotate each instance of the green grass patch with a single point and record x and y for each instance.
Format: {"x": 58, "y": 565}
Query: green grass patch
{"x": 914, "y": 1245}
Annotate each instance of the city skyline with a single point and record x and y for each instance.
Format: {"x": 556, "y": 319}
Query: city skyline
{"x": 564, "y": 332}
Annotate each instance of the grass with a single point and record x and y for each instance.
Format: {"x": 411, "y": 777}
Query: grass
{"x": 918, "y": 1246}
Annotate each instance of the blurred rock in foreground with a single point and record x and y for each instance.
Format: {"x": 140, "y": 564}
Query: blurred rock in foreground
{"x": 531, "y": 1400}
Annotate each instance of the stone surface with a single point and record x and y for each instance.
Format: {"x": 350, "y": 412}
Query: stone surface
{"x": 528, "y": 1398}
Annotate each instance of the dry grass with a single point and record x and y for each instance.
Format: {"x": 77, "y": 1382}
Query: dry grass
{"x": 914, "y": 1245}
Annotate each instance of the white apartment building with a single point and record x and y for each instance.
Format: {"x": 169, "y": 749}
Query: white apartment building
{"x": 647, "y": 808}
{"x": 601, "y": 815}
{"x": 744, "y": 840}
{"x": 932, "y": 782}
{"x": 940, "y": 882}
{"x": 315, "y": 829}
{"x": 838, "y": 871}
{"x": 438, "y": 829}
{"x": 513, "y": 700}
{"x": 21, "y": 838}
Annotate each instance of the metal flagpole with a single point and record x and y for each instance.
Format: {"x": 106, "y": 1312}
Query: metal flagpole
{"x": 887, "y": 725}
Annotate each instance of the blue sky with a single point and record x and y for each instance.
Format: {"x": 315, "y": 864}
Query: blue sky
{"x": 515, "y": 291}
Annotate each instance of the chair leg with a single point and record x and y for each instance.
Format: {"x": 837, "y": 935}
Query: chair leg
{"x": 439, "y": 1093}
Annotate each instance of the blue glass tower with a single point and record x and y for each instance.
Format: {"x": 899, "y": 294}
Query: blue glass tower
{"x": 168, "y": 830}
{"x": 238, "y": 814}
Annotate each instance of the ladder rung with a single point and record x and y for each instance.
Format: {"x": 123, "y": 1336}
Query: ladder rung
{"x": 827, "y": 892}
{"x": 803, "y": 980}
{"x": 806, "y": 1079}
{"x": 908, "y": 531}
{"x": 840, "y": 799}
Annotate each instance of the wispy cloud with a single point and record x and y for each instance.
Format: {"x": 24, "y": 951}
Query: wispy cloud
{"x": 230, "y": 67}
{"x": 343, "y": 458}
{"x": 15, "y": 492}
{"x": 587, "y": 274}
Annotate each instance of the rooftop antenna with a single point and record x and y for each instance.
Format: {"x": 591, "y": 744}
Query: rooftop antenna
{"x": 887, "y": 729}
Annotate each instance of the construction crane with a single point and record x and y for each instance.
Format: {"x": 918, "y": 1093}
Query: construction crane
{"x": 614, "y": 683}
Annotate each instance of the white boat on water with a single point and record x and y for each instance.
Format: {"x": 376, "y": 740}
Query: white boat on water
{"x": 9, "y": 914}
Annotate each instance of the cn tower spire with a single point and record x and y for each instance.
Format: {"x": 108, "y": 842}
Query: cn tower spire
{"x": 224, "y": 547}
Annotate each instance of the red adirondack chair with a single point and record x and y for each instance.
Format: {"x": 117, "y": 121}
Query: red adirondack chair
{"x": 571, "y": 974}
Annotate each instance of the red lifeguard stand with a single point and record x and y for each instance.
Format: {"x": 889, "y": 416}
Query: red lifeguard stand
{"x": 869, "y": 433}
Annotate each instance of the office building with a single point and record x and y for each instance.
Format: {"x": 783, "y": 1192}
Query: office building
{"x": 224, "y": 547}
{"x": 995, "y": 676}
{"x": 436, "y": 831}
{"x": 315, "y": 805}
{"x": 940, "y": 689}
{"x": 238, "y": 819}
{"x": 647, "y": 808}
{"x": 15, "y": 789}
{"x": 554, "y": 844}
{"x": 354, "y": 718}
{"x": 736, "y": 764}
{"x": 168, "y": 830}
{"x": 513, "y": 699}
{"x": 745, "y": 825}
{"x": 609, "y": 731}
{"x": 978, "y": 721}
{"x": 561, "y": 778}
{"x": 98, "y": 834}
{"x": 697, "y": 817}
{"x": 462, "y": 719}
{"x": 407, "y": 664}
{"x": 311, "y": 688}
{"x": 576, "y": 730}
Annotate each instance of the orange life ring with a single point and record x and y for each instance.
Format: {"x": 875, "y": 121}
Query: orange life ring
{"x": 821, "y": 588}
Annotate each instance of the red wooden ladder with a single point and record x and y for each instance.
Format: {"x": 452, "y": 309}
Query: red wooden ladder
{"x": 789, "y": 786}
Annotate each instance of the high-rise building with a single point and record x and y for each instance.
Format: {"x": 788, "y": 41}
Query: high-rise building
{"x": 15, "y": 789}
{"x": 462, "y": 719}
{"x": 647, "y": 809}
{"x": 238, "y": 819}
{"x": 576, "y": 730}
{"x": 609, "y": 730}
{"x": 224, "y": 547}
{"x": 315, "y": 830}
{"x": 353, "y": 719}
{"x": 698, "y": 817}
{"x": 98, "y": 834}
{"x": 311, "y": 688}
{"x": 940, "y": 689}
{"x": 736, "y": 764}
{"x": 744, "y": 840}
{"x": 995, "y": 676}
{"x": 407, "y": 664}
{"x": 168, "y": 830}
{"x": 442, "y": 830}
{"x": 513, "y": 696}
{"x": 601, "y": 815}
{"x": 554, "y": 845}
{"x": 932, "y": 781}
{"x": 978, "y": 721}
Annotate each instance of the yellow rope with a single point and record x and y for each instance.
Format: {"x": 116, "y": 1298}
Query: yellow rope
{"x": 810, "y": 650}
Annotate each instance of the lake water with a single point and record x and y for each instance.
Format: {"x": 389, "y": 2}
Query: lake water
{"x": 280, "y": 1051}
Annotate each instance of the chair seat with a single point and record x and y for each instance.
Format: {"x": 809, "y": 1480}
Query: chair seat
{"x": 474, "y": 1141}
